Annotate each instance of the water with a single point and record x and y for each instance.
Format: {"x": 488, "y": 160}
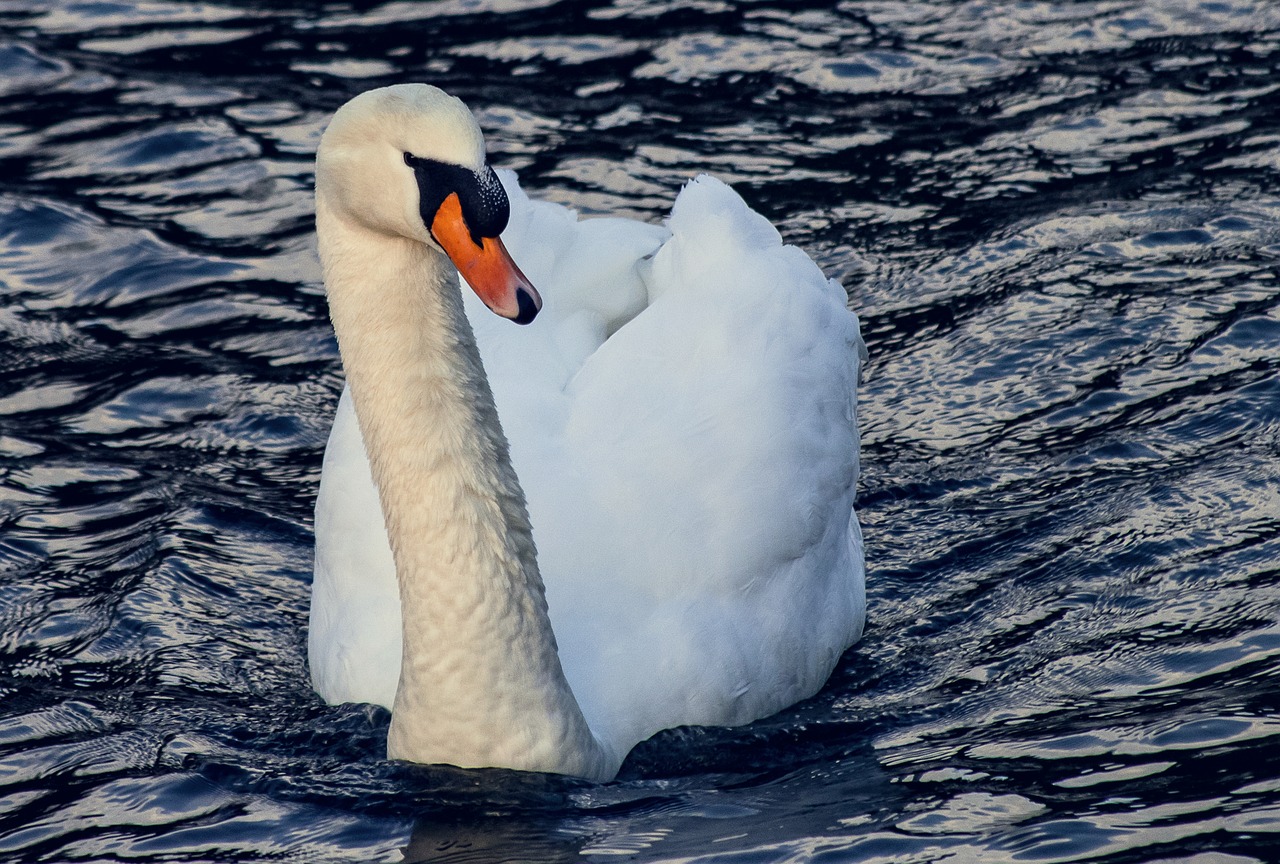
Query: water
{"x": 1061, "y": 225}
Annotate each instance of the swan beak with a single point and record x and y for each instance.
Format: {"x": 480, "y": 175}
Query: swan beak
{"x": 485, "y": 264}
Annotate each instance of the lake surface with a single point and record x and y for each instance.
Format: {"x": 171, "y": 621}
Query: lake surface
{"x": 1060, "y": 224}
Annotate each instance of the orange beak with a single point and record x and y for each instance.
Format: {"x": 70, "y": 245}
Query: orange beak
{"x": 487, "y": 267}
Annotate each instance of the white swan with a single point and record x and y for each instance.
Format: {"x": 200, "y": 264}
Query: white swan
{"x": 682, "y": 417}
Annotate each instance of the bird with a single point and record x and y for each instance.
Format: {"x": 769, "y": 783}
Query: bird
{"x": 540, "y": 545}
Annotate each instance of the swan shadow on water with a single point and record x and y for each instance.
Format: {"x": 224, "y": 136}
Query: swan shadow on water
{"x": 491, "y": 840}
{"x": 677, "y": 801}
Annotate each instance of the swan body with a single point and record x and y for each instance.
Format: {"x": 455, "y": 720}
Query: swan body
{"x": 681, "y": 421}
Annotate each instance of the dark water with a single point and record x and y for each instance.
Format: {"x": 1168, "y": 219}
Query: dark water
{"x": 1061, "y": 225}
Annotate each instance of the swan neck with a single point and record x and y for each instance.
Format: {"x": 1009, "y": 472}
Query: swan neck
{"x": 481, "y": 682}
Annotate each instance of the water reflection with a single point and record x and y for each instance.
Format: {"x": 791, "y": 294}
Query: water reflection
{"x": 498, "y": 840}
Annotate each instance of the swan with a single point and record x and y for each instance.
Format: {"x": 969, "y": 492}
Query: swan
{"x": 682, "y": 418}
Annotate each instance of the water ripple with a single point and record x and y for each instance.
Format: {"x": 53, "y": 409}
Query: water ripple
{"x": 1058, "y": 222}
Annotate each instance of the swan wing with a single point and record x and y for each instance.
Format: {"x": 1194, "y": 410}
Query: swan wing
{"x": 696, "y": 534}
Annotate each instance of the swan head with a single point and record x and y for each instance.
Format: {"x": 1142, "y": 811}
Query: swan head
{"x": 409, "y": 161}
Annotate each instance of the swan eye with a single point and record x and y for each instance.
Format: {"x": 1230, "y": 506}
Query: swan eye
{"x": 485, "y": 207}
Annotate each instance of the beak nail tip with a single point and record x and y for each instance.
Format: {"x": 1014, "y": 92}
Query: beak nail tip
{"x": 528, "y": 307}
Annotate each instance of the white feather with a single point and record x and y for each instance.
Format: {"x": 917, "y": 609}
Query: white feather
{"x": 681, "y": 417}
